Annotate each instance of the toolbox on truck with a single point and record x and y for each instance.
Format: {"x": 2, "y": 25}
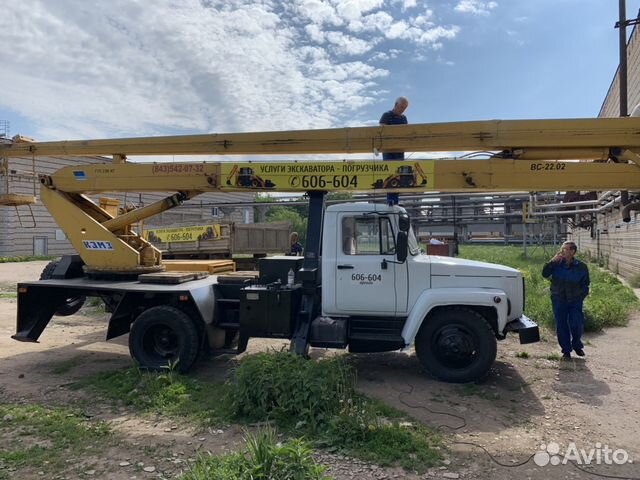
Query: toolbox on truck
{"x": 269, "y": 311}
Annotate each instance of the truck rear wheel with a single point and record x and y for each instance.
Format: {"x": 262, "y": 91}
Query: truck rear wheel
{"x": 456, "y": 345}
{"x": 71, "y": 304}
{"x": 162, "y": 336}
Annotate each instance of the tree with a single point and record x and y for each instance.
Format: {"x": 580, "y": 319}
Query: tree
{"x": 288, "y": 214}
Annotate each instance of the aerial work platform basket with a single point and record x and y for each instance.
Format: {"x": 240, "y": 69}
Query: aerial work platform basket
{"x": 8, "y": 198}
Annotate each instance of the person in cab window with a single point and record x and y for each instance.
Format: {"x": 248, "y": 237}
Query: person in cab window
{"x": 296, "y": 247}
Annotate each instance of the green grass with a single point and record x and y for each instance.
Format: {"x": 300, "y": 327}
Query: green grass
{"x": 171, "y": 394}
{"x": 262, "y": 458}
{"x": 609, "y": 303}
{"x": 35, "y": 436}
{"x": 635, "y": 281}
{"x": 8, "y": 295}
{"x": 303, "y": 398}
{"x": 318, "y": 399}
{"x": 522, "y": 355}
{"x": 553, "y": 357}
{"x": 27, "y": 258}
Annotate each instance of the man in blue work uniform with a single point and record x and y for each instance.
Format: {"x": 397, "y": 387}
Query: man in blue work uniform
{"x": 395, "y": 117}
{"x": 569, "y": 287}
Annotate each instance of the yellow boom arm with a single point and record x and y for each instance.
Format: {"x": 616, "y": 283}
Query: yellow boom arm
{"x": 533, "y": 155}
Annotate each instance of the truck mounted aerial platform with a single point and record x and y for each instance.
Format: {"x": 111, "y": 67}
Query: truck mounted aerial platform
{"x": 362, "y": 284}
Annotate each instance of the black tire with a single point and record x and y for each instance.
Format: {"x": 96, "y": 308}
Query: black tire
{"x": 164, "y": 335}
{"x": 456, "y": 345}
{"x": 71, "y": 304}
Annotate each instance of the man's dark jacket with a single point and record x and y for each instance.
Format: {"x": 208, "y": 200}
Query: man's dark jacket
{"x": 569, "y": 282}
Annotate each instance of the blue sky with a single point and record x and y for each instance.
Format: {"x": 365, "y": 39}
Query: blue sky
{"x": 94, "y": 69}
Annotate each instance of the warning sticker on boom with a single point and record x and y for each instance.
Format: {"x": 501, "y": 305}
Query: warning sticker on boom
{"x": 330, "y": 175}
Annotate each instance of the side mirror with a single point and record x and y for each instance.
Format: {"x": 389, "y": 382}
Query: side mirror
{"x": 404, "y": 224}
{"x": 402, "y": 246}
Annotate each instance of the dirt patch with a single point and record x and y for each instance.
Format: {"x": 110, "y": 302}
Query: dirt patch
{"x": 523, "y": 404}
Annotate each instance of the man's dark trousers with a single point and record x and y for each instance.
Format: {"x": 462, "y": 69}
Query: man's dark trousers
{"x": 569, "y": 324}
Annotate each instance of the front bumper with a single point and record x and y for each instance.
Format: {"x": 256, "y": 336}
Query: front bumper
{"x": 527, "y": 329}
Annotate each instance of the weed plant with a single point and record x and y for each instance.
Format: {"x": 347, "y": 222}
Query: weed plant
{"x": 318, "y": 399}
{"x": 262, "y": 458}
{"x": 609, "y": 303}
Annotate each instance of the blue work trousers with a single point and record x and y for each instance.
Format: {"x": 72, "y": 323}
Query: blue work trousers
{"x": 569, "y": 324}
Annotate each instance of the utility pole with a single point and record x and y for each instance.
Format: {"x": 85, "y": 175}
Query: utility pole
{"x": 622, "y": 72}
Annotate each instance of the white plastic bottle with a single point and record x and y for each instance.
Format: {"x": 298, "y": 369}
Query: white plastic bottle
{"x": 290, "y": 278}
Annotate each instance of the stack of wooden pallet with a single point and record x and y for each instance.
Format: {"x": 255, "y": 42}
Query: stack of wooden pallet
{"x": 209, "y": 266}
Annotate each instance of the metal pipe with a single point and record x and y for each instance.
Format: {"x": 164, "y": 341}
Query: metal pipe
{"x": 567, "y": 204}
{"x": 571, "y": 212}
{"x": 626, "y": 211}
{"x": 601, "y": 198}
{"x": 606, "y": 195}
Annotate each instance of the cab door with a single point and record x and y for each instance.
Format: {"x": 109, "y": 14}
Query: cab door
{"x": 365, "y": 273}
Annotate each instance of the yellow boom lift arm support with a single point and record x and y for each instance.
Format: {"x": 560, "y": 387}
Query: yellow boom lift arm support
{"x": 531, "y": 155}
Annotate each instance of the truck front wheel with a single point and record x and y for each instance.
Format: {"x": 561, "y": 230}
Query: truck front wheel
{"x": 163, "y": 337}
{"x": 456, "y": 344}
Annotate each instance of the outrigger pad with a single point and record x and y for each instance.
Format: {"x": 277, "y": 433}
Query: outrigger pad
{"x": 36, "y": 305}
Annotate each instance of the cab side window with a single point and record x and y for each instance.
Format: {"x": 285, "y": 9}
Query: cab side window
{"x": 370, "y": 235}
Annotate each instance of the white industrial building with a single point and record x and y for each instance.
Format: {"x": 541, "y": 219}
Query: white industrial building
{"x": 614, "y": 243}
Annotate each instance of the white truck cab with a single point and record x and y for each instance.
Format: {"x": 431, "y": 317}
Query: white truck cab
{"x": 453, "y": 309}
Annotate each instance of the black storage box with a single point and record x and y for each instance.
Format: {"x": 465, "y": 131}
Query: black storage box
{"x": 277, "y": 268}
{"x": 268, "y": 312}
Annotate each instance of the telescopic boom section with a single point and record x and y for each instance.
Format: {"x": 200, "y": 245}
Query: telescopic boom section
{"x": 530, "y": 155}
{"x": 577, "y": 138}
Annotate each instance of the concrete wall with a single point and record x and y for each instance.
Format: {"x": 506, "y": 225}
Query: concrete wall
{"x": 615, "y": 243}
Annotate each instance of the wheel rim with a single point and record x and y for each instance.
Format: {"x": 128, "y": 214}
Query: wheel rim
{"x": 454, "y": 346}
{"x": 161, "y": 342}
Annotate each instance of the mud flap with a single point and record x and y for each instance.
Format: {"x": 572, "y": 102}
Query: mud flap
{"x": 527, "y": 329}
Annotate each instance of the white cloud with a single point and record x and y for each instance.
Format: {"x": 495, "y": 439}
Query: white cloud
{"x": 318, "y": 11}
{"x": 406, "y": 4}
{"x": 346, "y": 44}
{"x": 95, "y": 69}
{"x": 354, "y": 9}
{"x": 475, "y": 7}
{"x": 315, "y": 33}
